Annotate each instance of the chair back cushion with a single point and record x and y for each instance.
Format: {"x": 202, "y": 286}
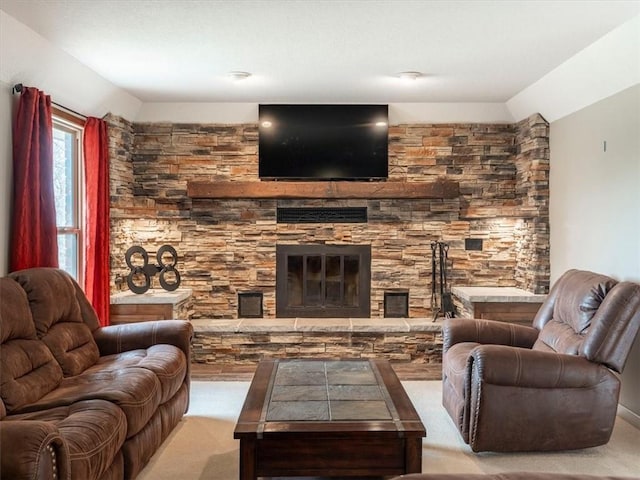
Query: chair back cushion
{"x": 614, "y": 327}
{"x": 566, "y": 317}
{"x": 55, "y": 302}
{"x": 28, "y": 368}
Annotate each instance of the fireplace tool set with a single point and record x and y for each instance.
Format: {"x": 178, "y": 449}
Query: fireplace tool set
{"x": 441, "y": 299}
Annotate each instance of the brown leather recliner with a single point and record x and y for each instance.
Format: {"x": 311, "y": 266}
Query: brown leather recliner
{"x": 546, "y": 387}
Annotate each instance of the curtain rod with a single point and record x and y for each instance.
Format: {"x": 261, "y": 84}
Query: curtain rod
{"x": 17, "y": 88}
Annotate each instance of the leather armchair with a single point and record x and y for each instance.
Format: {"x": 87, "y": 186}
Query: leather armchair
{"x": 550, "y": 386}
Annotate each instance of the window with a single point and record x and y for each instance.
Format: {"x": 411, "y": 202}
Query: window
{"x": 69, "y": 192}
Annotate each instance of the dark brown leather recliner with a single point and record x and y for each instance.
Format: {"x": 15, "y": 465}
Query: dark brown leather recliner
{"x": 546, "y": 387}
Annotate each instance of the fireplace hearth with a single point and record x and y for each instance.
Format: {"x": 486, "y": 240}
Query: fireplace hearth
{"x": 323, "y": 281}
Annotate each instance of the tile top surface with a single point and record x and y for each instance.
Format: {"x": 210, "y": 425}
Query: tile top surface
{"x": 151, "y": 296}
{"x": 496, "y": 294}
{"x": 326, "y": 391}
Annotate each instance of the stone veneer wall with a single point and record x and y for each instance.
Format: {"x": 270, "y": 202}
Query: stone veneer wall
{"x": 241, "y": 348}
{"x": 228, "y": 246}
{"x": 532, "y": 188}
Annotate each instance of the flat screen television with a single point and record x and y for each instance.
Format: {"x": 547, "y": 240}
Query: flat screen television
{"x": 323, "y": 142}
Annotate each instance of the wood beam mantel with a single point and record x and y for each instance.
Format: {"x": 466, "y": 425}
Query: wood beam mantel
{"x": 329, "y": 190}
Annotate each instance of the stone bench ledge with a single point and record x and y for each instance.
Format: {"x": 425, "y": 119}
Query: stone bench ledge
{"x": 320, "y": 325}
{"x": 150, "y": 297}
{"x": 496, "y": 295}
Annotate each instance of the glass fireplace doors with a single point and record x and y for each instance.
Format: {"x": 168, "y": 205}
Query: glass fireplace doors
{"x": 323, "y": 280}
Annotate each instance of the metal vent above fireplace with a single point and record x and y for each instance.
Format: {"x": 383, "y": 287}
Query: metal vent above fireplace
{"x": 322, "y": 215}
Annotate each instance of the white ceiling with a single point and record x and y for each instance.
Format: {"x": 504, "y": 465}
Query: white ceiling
{"x": 321, "y": 51}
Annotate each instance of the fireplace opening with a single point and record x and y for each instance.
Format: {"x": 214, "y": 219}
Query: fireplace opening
{"x": 323, "y": 280}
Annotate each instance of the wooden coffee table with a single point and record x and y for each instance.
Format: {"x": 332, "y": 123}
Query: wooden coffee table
{"x": 328, "y": 418}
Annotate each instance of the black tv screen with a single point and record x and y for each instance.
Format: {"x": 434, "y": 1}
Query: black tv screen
{"x": 323, "y": 142}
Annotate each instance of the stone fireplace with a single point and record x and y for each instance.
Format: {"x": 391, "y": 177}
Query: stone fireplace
{"x": 228, "y": 246}
{"x": 323, "y": 280}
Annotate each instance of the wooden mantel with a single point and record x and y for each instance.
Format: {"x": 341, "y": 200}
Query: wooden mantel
{"x": 329, "y": 190}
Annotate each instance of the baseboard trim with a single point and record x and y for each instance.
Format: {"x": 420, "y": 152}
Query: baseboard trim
{"x": 629, "y": 416}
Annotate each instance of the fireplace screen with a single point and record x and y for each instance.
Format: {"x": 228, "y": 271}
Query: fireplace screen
{"x": 323, "y": 280}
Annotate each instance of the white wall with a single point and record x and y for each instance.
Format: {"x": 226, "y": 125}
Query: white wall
{"x": 398, "y": 113}
{"x": 595, "y": 200}
{"x": 30, "y": 59}
{"x": 595, "y": 195}
{"x": 604, "y": 68}
{"x": 5, "y": 175}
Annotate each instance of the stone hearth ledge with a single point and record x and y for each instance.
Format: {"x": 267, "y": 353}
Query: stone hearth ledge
{"x": 378, "y": 325}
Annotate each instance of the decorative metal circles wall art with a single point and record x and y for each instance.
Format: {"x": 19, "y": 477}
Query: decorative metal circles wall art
{"x": 169, "y": 276}
{"x": 141, "y": 271}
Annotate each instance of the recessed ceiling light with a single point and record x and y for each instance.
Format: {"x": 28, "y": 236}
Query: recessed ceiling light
{"x": 409, "y": 75}
{"x": 239, "y": 75}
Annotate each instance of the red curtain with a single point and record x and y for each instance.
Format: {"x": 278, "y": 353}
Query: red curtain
{"x": 96, "y": 162}
{"x": 34, "y": 237}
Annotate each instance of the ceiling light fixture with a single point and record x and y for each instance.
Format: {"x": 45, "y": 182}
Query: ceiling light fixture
{"x": 238, "y": 75}
{"x": 409, "y": 75}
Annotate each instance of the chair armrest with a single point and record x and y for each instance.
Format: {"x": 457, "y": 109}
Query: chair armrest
{"x": 458, "y": 330}
{"x": 521, "y": 367}
{"x": 132, "y": 336}
{"x": 32, "y": 449}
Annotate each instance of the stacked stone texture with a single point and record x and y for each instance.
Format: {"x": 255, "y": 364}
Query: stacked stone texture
{"x": 532, "y": 190}
{"x": 228, "y": 246}
{"x": 240, "y": 348}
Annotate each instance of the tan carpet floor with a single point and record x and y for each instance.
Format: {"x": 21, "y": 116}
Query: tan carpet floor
{"x": 202, "y": 445}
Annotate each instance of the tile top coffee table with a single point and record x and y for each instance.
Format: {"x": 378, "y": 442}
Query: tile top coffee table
{"x": 328, "y": 418}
